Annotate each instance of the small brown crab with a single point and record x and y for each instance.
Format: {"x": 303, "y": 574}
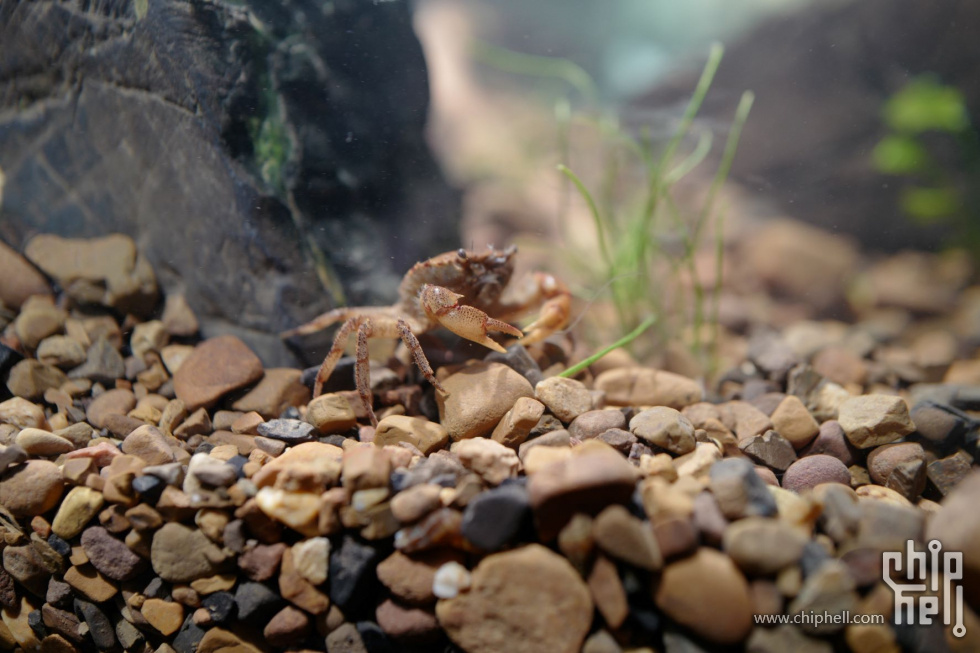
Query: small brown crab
{"x": 458, "y": 290}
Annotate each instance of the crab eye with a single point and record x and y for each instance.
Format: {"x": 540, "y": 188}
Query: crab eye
{"x": 461, "y": 253}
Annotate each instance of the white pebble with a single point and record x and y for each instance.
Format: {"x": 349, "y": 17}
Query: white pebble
{"x": 450, "y": 579}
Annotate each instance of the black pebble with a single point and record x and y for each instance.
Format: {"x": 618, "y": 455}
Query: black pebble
{"x": 204, "y": 447}
{"x": 36, "y": 623}
{"x": 255, "y": 601}
{"x": 517, "y": 358}
{"x": 100, "y": 628}
{"x": 8, "y": 358}
{"x": 351, "y": 570}
{"x": 188, "y": 637}
{"x": 148, "y": 487}
{"x": 59, "y": 545}
{"x": 221, "y": 605}
{"x": 375, "y": 640}
{"x": 496, "y": 517}
{"x": 238, "y": 462}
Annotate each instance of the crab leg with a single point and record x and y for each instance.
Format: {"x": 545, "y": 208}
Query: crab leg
{"x": 442, "y": 305}
{"x": 366, "y": 327}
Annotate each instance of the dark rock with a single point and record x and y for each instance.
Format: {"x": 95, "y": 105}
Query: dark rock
{"x": 62, "y": 622}
{"x": 8, "y": 358}
{"x": 256, "y": 601}
{"x": 100, "y": 628}
{"x": 155, "y": 589}
{"x": 103, "y": 364}
{"x": 517, "y": 358}
{"x": 946, "y": 473}
{"x": 942, "y": 425}
{"x": 291, "y": 431}
{"x": 59, "y": 545}
{"x": 226, "y": 124}
{"x": 770, "y": 449}
{"x": 352, "y": 567}
{"x": 8, "y": 590}
{"x": 188, "y": 637}
{"x": 375, "y": 640}
{"x": 36, "y": 623}
{"x": 221, "y": 606}
{"x": 739, "y": 490}
{"x": 148, "y": 487}
{"x": 127, "y": 634}
{"x": 496, "y": 517}
{"x": 620, "y": 440}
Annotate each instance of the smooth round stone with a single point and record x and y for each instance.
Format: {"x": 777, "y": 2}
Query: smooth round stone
{"x": 110, "y": 402}
{"x": 479, "y": 396}
{"x": 642, "y": 386}
{"x": 180, "y": 554}
{"x": 666, "y": 428}
{"x": 32, "y": 488}
{"x": 565, "y": 398}
{"x": 808, "y": 472}
{"x": 762, "y": 546}
{"x": 832, "y": 441}
{"x": 708, "y": 594}
{"x": 594, "y": 423}
{"x": 37, "y": 442}
{"x": 531, "y": 591}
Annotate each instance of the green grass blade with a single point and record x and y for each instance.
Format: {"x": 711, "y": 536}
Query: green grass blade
{"x": 596, "y": 216}
{"x": 536, "y": 66}
{"x": 622, "y": 342}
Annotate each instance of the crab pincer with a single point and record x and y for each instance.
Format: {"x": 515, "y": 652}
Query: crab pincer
{"x": 442, "y": 305}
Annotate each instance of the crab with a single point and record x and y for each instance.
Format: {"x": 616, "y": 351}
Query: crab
{"x": 457, "y": 290}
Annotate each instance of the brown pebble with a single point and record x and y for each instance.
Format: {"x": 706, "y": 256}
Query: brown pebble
{"x": 813, "y": 470}
{"x": 32, "y": 488}
{"x": 479, "y": 396}
{"x": 215, "y": 367}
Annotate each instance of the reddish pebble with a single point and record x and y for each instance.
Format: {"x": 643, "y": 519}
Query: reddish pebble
{"x": 811, "y": 471}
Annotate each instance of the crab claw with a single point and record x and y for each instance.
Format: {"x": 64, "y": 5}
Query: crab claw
{"x": 554, "y": 312}
{"x": 442, "y": 305}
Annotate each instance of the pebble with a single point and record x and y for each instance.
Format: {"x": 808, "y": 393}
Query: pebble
{"x": 311, "y": 557}
{"x": 22, "y": 413}
{"x": 38, "y": 319}
{"x": 31, "y": 489}
{"x": 90, "y": 583}
{"x": 957, "y": 527}
{"x": 595, "y": 477}
{"x": 165, "y": 616}
{"x": 150, "y": 444}
{"x": 288, "y": 627}
{"x": 810, "y": 471}
{"x": 279, "y": 389}
{"x": 882, "y": 461}
{"x": 516, "y": 424}
{"x": 708, "y": 594}
{"x": 552, "y": 614}
{"x": 416, "y": 502}
{"x": 666, "y": 428}
{"x": 103, "y": 363}
{"x": 739, "y": 491}
{"x": 832, "y": 441}
{"x": 565, "y": 398}
{"x": 496, "y": 517}
{"x": 794, "y": 422}
{"x": 110, "y": 556}
{"x": 18, "y": 278}
{"x": 79, "y": 506}
{"x": 411, "y": 578}
{"x": 770, "y": 449}
{"x": 290, "y": 431}
{"x": 178, "y": 317}
{"x": 640, "y": 386}
{"x": 426, "y": 436}
{"x": 180, "y": 554}
{"x": 345, "y": 639}
{"x": 216, "y": 367}
{"x": 331, "y": 413}
{"x": 829, "y": 589}
{"x": 298, "y": 510}
{"x": 351, "y": 566}
{"x": 99, "y": 627}
{"x": 255, "y": 600}
{"x": 872, "y": 420}
{"x": 593, "y": 423}
{"x": 945, "y": 473}
{"x": 111, "y": 402}
{"x": 479, "y": 396}
{"x": 627, "y": 538}
{"x": 30, "y": 379}
{"x": 744, "y": 420}
{"x": 107, "y": 270}
{"x": 408, "y": 624}
{"x": 491, "y": 460}
{"x": 11, "y": 455}
{"x": 841, "y": 365}
{"x": 37, "y": 442}
{"x": 761, "y": 546}
{"x": 939, "y": 424}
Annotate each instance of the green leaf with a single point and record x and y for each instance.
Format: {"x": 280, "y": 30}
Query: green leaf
{"x": 899, "y": 155}
{"x": 926, "y": 105}
{"x": 929, "y": 205}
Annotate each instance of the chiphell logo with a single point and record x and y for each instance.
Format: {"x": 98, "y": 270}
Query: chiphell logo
{"x": 909, "y": 593}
